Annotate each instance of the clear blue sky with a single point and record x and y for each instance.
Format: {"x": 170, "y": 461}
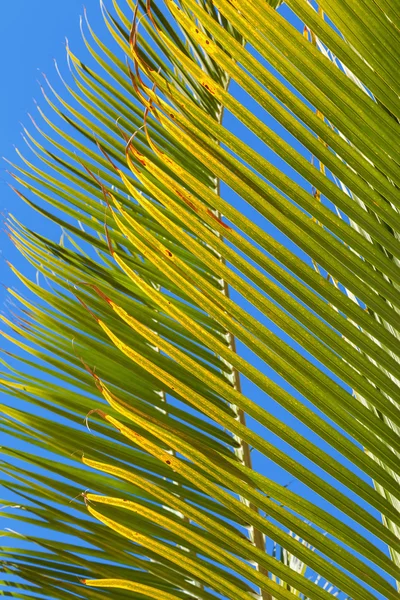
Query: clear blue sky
{"x": 32, "y": 35}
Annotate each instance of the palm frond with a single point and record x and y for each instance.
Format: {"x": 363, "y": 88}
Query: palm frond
{"x": 176, "y": 165}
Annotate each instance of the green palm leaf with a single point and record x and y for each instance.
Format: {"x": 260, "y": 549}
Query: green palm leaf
{"x": 127, "y": 460}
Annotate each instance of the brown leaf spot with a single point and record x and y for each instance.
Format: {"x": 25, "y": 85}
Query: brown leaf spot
{"x": 210, "y": 212}
{"x": 185, "y": 199}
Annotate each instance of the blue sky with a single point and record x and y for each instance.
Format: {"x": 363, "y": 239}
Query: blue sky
{"x": 31, "y": 36}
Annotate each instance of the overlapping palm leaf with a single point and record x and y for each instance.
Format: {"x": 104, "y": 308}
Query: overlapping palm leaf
{"x": 131, "y": 325}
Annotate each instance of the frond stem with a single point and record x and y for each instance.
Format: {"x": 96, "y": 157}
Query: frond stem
{"x": 244, "y": 451}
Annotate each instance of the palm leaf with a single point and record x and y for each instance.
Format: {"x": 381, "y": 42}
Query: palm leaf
{"x": 182, "y": 236}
